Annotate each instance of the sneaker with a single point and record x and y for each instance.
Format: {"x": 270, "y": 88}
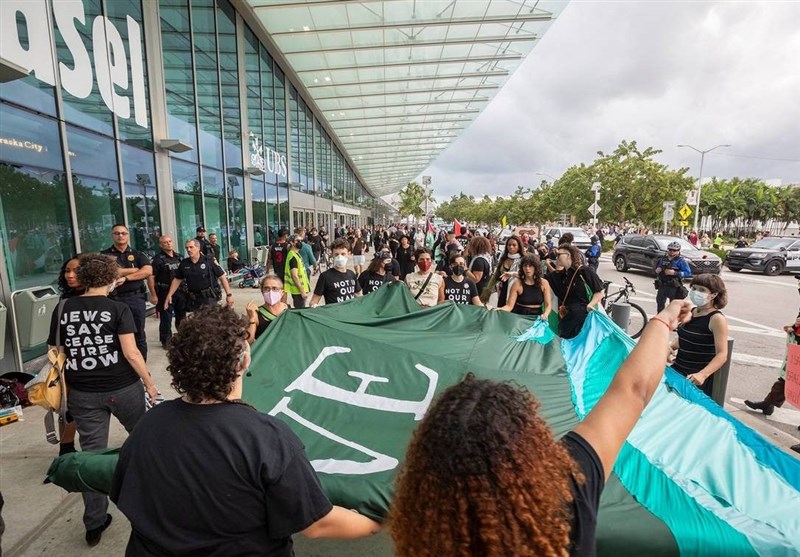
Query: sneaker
{"x": 93, "y": 536}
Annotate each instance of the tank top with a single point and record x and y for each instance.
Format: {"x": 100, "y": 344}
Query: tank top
{"x": 695, "y": 345}
{"x": 530, "y": 296}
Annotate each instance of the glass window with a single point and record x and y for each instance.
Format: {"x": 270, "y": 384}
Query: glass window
{"x": 176, "y": 44}
{"x": 229, "y": 85}
{"x": 283, "y": 206}
{"x": 207, "y": 79}
{"x": 132, "y": 129}
{"x": 30, "y": 91}
{"x": 188, "y": 201}
{"x": 236, "y": 214}
{"x": 280, "y": 112}
{"x": 83, "y": 103}
{"x": 259, "y": 208}
{"x": 141, "y": 200}
{"x": 272, "y": 211}
{"x": 267, "y": 99}
{"x": 295, "y": 138}
{"x": 35, "y": 227}
{"x": 95, "y": 183}
{"x": 216, "y": 215}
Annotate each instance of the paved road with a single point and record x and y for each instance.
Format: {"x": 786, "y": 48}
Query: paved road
{"x": 758, "y": 308}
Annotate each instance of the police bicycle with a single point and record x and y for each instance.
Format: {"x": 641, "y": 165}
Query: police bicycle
{"x": 637, "y": 318}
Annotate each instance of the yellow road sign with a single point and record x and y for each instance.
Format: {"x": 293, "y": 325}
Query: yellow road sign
{"x": 685, "y": 211}
{"x": 683, "y": 223}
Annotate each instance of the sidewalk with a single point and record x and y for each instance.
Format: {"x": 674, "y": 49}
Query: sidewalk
{"x": 42, "y": 519}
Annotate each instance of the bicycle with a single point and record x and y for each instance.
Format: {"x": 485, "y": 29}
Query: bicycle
{"x": 638, "y": 318}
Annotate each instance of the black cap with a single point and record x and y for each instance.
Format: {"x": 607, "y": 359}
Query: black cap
{"x": 200, "y": 229}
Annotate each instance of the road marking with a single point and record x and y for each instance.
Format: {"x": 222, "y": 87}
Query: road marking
{"x": 756, "y": 360}
{"x": 781, "y": 415}
{"x": 756, "y": 331}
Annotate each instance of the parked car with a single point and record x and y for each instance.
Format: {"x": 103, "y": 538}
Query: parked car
{"x": 582, "y": 240}
{"x": 771, "y": 256}
{"x": 643, "y": 252}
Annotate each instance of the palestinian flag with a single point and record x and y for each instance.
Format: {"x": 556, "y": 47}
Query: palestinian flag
{"x": 690, "y": 480}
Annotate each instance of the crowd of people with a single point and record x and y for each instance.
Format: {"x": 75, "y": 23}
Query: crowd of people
{"x": 101, "y": 320}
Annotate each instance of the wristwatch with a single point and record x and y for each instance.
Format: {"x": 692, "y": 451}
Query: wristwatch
{"x": 229, "y": 294}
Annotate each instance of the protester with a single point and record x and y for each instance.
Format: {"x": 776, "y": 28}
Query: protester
{"x": 378, "y": 273}
{"x": 570, "y": 283}
{"x": 70, "y": 287}
{"x": 479, "y": 249}
{"x": 389, "y": 260}
{"x": 506, "y": 271}
{"x": 458, "y": 288}
{"x": 104, "y": 369}
{"x": 234, "y": 263}
{"x": 295, "y": 280}
{"x": 425, "y": 284}
{"x": 702, "y": 343}
{"x": 670, "y": 274}
{"x": 405, "y": 257}
{"x": 360, "y": 248}
{"x": 245, "y": 484}
{"x": 777, "y": 394}
{"x": 483, "y": 474}
{"x": 530, "y": 295}
{"x": 338, "y": 284}
{"x": 262, "y": 316}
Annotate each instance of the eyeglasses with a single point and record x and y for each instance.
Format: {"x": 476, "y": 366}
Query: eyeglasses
{"x": 118, "y": 233}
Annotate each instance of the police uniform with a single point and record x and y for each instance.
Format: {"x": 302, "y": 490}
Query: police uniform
{"x": 205, "y": 247}
{"x": 670, "y": 287}
{"x": 201, "y": 280}
{"x": 164, "y": 268}
{"x": 132, "y": 293}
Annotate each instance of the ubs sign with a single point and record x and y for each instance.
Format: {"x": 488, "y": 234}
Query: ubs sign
{"x": 112, "y": 59}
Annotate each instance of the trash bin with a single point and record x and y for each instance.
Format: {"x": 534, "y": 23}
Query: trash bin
{"x": 3, "y": 312}
{"x": 33, "y": 309}
{"x": 719, "y": 384}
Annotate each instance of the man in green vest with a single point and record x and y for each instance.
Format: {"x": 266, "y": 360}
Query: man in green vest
{"x": 295, "y": 280}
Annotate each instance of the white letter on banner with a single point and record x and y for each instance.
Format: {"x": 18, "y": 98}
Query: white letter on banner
{"x": 380, "y": 462}
{"x": 307, "y": 383}
{"x": 137, "y": 72}
{"x": 77, "y": 80}
{"x": 38, "y": 58}
{"x": 111, "y": 65}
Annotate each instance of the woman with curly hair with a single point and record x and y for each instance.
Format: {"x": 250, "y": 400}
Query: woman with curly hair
{"x": 506, "y": 271}
{"x": 104, "y": 369}
{"x": 484, "y": 477}
{"x": 244, "y": 484}
{"x": 530, "y": 295}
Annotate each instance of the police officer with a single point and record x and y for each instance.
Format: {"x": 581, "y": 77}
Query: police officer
{"x": 670, "y": 273}
{"x": 134, "y": 268}
{"x": 165, "y": 263}
{"x": 205, "y": 246}
{"x": 201, "y": 275}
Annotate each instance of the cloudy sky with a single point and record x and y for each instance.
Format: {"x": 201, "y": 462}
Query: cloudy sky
{"x": 660, "y": 73}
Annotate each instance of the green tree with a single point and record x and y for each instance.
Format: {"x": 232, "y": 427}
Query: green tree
{"x": 412, "y": 197}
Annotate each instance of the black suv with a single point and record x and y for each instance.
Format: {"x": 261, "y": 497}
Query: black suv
{"x": 642, "y": 252}
{"x": 771, "y": 256}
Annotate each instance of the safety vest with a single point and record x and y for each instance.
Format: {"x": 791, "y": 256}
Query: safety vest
{"x": 288, "y": 283}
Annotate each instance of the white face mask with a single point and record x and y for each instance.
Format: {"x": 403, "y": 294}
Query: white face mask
{"x": 271, "y": 297}
{"x": 699, "y": 298}
{"x": 340, "y": 261}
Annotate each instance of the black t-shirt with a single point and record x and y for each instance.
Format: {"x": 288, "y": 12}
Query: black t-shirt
{"x": 215, "y": 480}
{"x": 316, "y": 243}
{"x": 459, "y": 292}
{"x": 403, "y": 257}
{"x": 90, "y": 329}
{"x": 358, "y": 246}
{"x": 277, "y": 255}
{"x": 337, "y": 286}
{"x": 128, "y": 259}
{"x": 586, "y": 496}
{"x": 200, "y": 275}
{"x": 235, "y": 265}
{"x": 480, "y": 264}
{"x": 370, "y": 282}
{"x": 560, "y": 280}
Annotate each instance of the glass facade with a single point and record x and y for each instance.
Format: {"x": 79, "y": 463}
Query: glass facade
{"x": 76, "y": 135}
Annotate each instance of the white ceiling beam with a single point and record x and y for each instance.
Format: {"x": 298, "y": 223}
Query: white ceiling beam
{"x": 406, "y": 79}
{"x": 416, "y": 44}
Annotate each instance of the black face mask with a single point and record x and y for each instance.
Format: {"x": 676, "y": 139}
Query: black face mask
{"x": 387, "y": 267}
{"x": 458, "y": 270}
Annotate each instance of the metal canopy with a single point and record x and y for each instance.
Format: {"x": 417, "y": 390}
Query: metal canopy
{"x": 398, "y": 80}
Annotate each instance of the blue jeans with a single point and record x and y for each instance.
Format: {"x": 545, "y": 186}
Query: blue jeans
{"x": 92, "y": 413}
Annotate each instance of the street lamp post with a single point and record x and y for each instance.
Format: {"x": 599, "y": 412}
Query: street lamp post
{"x": 700, "y": 179}
{"x": 546, "y": 174}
